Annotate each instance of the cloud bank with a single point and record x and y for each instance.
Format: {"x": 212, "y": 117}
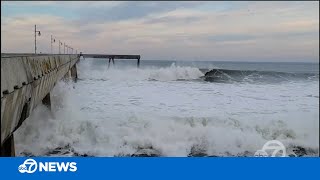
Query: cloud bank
{"x": 217, "y": 31}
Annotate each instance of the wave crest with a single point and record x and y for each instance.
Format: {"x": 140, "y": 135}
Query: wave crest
{"x": 175, "y": 73}
{"x": 227, "y": 75}
{"x": 171, "y": 73}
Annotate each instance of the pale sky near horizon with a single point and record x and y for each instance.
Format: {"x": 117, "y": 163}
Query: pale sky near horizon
{"x": 216, "y": 30}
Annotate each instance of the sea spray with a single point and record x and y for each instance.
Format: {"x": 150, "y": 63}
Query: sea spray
{"x": 148, "y": 111}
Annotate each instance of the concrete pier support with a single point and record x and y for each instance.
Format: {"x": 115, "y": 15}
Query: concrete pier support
{"x": 74, "y": 74}
{"x": 109, "y": 63}
{"x": 47, "y": 101}
{"x": 7, "y": 148}
{"x": 138, "y": 62}
{"x": 110, "y": 59}
{"x": 66, "y": 77}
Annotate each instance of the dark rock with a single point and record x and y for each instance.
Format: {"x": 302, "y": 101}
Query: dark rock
{"x": 198, "y": 154}
{"x": 198, "y": 151}
{"x": 147, "y": 152}
{"x": 299, "y": 151}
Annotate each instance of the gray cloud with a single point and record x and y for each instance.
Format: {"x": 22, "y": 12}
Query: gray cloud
{"x": 175, "y": 30}
{"x": 131, "y": 10}
{"x": 231, "y": 37}
{"x": 172, "y": 20}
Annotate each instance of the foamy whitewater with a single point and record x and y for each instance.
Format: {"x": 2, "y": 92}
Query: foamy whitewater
{"x": 170, "y": 110}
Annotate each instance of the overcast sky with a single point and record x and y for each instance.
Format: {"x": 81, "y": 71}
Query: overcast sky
{"x": 218, "y": 31}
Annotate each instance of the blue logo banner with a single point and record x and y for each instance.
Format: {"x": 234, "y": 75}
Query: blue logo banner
{"x": 159, "y": 168}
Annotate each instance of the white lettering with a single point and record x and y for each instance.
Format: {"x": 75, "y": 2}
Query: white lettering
{"x": 63, "y": 166}
{"x": 43, "y": 166}
{"x": 30, "y": 166}
{"x": 52, "y": 167}
{"x": 73, "y": 167}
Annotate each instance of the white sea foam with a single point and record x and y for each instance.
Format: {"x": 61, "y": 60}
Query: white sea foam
{"x": 129, "y": 74}
{"x": 123, "y": 111}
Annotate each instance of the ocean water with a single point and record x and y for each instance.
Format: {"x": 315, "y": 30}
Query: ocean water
{"x": 176, "y": 108}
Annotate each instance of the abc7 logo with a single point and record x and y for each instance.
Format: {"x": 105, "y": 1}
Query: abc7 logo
{"x": 28, "y": 166}
{"x": 276, "y": 147}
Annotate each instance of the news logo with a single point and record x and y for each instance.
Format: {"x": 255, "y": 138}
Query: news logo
{"x": 30, "y": 166}
{"x": 273, "y": 148}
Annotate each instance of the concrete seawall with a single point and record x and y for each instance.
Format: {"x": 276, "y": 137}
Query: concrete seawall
{"x": 26, "y": 81}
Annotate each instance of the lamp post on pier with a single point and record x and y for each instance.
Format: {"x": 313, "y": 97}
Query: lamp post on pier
{"x": 53, "y": 40}
{"x": 60, "y": 43}
{"x": 35, "y": 38}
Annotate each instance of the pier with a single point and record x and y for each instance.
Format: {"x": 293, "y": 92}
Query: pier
{"x": 26, "y": 81}
{"x": 111, "y": 57}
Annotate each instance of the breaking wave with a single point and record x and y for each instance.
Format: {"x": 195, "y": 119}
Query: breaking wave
{"x": 226, "y": 75}
{"x": 70, "y": 131}
{"x": 171, "y": 73}
{"x": 149, "y": 112}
